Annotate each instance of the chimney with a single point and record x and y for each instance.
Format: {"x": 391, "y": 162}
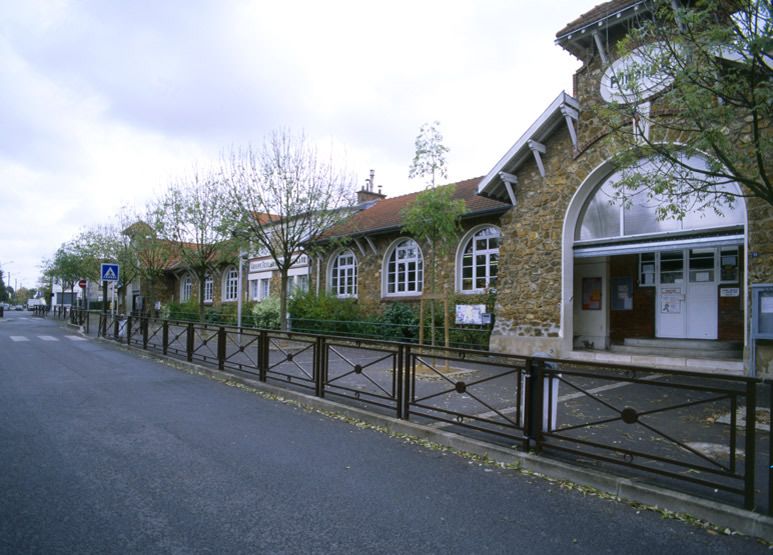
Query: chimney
{"x": 366, "y": 194}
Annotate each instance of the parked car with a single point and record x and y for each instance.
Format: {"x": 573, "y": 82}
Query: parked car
{"x": 18, "y": 307}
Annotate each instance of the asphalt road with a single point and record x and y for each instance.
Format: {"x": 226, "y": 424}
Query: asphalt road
{"x": 102, "y": 451}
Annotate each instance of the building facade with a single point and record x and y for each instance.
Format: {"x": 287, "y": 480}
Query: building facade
{"x": 583, "y": 273}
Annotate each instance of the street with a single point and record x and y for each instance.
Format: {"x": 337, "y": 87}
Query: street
{"x": 105, "y": 451}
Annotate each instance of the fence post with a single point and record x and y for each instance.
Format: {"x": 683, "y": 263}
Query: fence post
{"x": 320, "y": 366}
{"x": 263, "y": 357}
{"x": 221, "y": 348}
{"x": 103, "y": 325}
{"x": 534, "y": 401}
{"x": 165, "y": 336}
{"x": 750, "y": 433}
{"x": 407, "y": 390}
{"x": 115, "y": 328}
{"x": 189, "y": 343}
{"x": 144, "y": 326}
{"x": 129, "y": 330}
{"x": 399, "y": 370}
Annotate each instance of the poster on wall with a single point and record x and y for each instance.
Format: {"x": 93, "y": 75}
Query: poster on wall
{"x": 622, "y": 293}
{"x": 591, "y": 293}
{"x": 472, "y": 314}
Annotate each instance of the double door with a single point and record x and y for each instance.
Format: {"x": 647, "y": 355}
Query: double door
{"x": 687, "y": 293}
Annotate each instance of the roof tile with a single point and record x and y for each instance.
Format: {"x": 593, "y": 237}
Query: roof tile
{"x": 386, "y": 214}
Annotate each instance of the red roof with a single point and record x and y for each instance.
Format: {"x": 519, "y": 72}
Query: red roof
{"x": 386, "y": 214}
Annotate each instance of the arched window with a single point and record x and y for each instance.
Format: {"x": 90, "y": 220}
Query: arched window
{"x": 230, "y": 284}
{"x": 186, "y": 288}
{"x": 478, "y": 260}
{"x": 404, "y": 269}
{"x": 606, "y": 216}
{"x": 343, "y": 275}
{"x": 208, "y": 288}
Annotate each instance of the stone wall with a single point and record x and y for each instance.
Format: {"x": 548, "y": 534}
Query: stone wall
{"x": 370, "y": 267}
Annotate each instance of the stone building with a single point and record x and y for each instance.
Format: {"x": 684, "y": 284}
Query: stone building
{"x": 369, "y": 258}
{"x": 582, "y": 276}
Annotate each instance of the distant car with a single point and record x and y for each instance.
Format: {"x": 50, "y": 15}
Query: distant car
{"x": 18, "y": 307}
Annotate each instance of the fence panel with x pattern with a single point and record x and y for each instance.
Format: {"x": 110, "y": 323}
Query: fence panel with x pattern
{"x": 673, "y": 425}
{"x": 468, "y": 390}
{"x": 242, "y": 350}
{"x": 292, "y": 358}
{"x": 366, "y": 371}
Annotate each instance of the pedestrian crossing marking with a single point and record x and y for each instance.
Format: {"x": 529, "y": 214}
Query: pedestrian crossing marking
{"x": 47, "y": 338}
{"x": 18, "y": 338}
{"x": 75, "y": 338}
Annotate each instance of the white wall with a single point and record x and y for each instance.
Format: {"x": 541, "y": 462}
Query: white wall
{"x": 591, "y": 325}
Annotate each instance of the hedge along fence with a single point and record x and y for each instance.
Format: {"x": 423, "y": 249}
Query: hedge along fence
{"x": 329, "y": 315}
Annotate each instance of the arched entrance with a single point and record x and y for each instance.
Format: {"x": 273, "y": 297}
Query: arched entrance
{"x": 627, "y": 274}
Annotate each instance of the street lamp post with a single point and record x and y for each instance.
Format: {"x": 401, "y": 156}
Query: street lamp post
{"x": 239, "y": 292}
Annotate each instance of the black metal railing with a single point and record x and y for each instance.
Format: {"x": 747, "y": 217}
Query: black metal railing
{"x": 694, "y": 432}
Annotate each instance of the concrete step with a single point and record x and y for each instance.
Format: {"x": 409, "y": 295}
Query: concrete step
{"x": 670, "y": 351}
{"x": 692, "y": 344}
{"x": 732, "y": 367}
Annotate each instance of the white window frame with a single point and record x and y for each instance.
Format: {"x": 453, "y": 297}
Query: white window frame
{"x": 230, "y": 284}
{"x": 470, "y": 238}
{"x": 186, "y": 288}
{"x": 209, "y": 288}
{"x": 339, "y": 273}
{"x": 260, "y": 286}
{"x": 400, "y": 267}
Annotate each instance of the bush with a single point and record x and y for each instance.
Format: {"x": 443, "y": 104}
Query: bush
{"x": 400, "y": 323}
{"x": 187, "y": 311}
{"x": 265, "y": 314}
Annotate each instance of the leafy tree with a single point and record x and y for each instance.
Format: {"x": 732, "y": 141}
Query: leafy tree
{"x": 712, "y": 59}
{"x": 190, "y": 215}
{"x": 434, "y": 217}
{"x": 282, "y": 196}
{"x": 3, "y": 292}
{"x": 429, "y": 160}
{"x": 150, "y": 254}
{"x": 67, "y": 267}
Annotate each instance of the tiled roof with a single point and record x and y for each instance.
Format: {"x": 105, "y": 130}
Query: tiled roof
{"x": 599, "y": 12}
{"x": 386, "y": 214}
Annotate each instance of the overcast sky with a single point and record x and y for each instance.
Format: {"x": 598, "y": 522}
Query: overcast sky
{"x": 104, "y": 102}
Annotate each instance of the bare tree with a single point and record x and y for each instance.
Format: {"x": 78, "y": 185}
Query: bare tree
{"x": 190, "y": 216}
{"x": 282, "y": 196}
{"x": 429, "y": 160}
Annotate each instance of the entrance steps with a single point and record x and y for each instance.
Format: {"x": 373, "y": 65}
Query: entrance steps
{"x": 690, "y": 348}
{"x": 695, "y": 355}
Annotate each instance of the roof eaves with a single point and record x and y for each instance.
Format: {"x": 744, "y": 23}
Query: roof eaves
{"x": 491, "y": 185}
{"x": 605, "y": 20}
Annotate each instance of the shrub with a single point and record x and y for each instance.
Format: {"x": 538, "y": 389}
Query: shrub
{"x": 401, "y": 322}
{"x": 187, "y": 311}
{"x": 265, "y": 314}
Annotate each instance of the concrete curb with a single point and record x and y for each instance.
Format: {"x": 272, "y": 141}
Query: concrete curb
{"x": 626, "y": 489}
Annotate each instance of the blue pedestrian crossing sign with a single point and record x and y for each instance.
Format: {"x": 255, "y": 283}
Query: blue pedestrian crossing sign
{"x": 109, "y": 272}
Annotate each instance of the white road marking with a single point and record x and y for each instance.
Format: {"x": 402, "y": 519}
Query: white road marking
{"x": 75, "y": 338}
{"x": 48, "y": 338}
{"x": 18, "y": 338}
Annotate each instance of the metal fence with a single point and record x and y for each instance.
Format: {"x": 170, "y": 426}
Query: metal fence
{"x": 693, "y": 432}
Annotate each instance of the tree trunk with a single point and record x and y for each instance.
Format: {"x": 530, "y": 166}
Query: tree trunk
{"x": 201, "y": 298}
{"x": 283, "y": 299}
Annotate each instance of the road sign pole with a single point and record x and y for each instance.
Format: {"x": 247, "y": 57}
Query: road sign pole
{"x": 104, "y": 297}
